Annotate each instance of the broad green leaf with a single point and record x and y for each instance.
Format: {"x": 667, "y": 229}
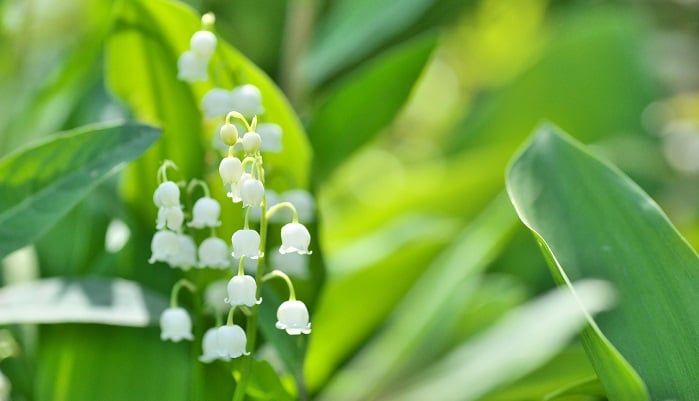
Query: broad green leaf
{"x": 42, "y": 183}
{"x": 372, "y": 95}
{"x": 264, "y": 383}
{"x": 591, "y": 386}
{"x": 353, "y": 29}
{"x": 89, "y": 362}
{"x": 88, "y": 300}
{"x": 440, "y": 284}
{"x": 593, "y": 221}
{"x": 521, "y": 341}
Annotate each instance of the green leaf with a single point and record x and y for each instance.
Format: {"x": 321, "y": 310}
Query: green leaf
{"x": 42, "y": 183}
{"x": 88, "y": 362}
{"x": 372, "y": 96}
{"x": 591, "y": 386}
{"x": 593, "y": 221}
{"x": 339, "y": 43}
{"x": 264, "y": 383}
{"x": 87, "y": 300}
{"x": 521, "y": 341}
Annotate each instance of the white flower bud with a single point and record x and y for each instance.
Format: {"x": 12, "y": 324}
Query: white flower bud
{"x": 292, "y": 316}
{"x": 230, "y": 169}
{"x": 205, "y": 213}
{"x": 246, "y": 243}
{"x": 167, "y": 195}
{"x": 242, "y": 290}
{"x": 251, "y": 142}
{"x": 176, "y": 325}
{"x": 271, "y": 136}
{"x": 203, "y": 43}
{"x": 231, "y": 342}
{"x": 209, "y": 346}
{"x": 295, "y": 238}
{"x": 251, "y": 192}
{"x": 234, "y": 194}
{"x": 192, "y": 68}
{"x": 186, "y": 257}
{"x": 229, "y": 134}
{"x": 213, "y": 252}
{"x": 303, "y": 203}
{"x": 164, "y": 245}
{"x": 217, "y": 102}
{"x": 293, "y": 264}
{"x": 172, "y": 217}
{"x": 247, "y": 100}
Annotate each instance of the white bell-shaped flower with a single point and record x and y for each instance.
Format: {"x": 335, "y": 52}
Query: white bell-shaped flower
{"x": 230, "y": 170}
{"x": 209, "y": 346}
{"x": 295, "y": 238}
{"x": 228, "y": 134}
{"x": 242, "y": 290}
{"x": 186, "y": 257}
{"x": 234, "y": 194}
{"x": 231, "y": 342}
{"x": 255, "y": 213}
{"x": 167, "y": 195}
{"x": 303, "y": 203}
{"x": 247, "y": 100}
{"x": 217, "y": 102}
{"x": 213, "y": 252}
{"x": 175, "y": 325}
{"x": 170, "y": 217}
{"x": 203, "y": 43}
{"x": 205, "y": 213}
{"x": 246, "y": 243}
{"x": 293, "y": 264}
{"x": 292, "y": 316}
{"x": 215, "y": 295}
{"x": 251, "y": 142}
{"x": 164, "y": 246}
{"x": 251, "y": 192}
{"x": 271, "y": 136}
{"x": 192, "y": 68}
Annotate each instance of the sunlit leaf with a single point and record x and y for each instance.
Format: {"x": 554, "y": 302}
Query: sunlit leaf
{"x": 592, "y": 221}
{"x": 88, "y": 300}
{"x": 42, "y": 183}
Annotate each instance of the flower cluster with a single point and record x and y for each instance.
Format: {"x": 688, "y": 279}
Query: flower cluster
{"x": 242, "y": 175}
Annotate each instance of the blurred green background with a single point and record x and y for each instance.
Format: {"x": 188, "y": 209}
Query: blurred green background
{"x": 411, "y": 111}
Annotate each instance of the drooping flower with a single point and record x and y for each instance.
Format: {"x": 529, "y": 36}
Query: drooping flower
{"x": 251, "y": 192}
{"x": 247, "y": 100}
{"x": 192, "y": 68}
{"x": 186, "y": 257}
{"x": 228, "y": 134}
{"x": 231, "y": 170}
{"x": 271, "y": 136}
{"x": 215, "y": 295}
{"x": 246, "y": 243}
{"x": 203, "y": 44}
{"x": 167, "y": 195}
{"x": 163, "y": 246}
{"x": 231, "y": 342}
{"x": 242, "y": 290}
{"x": 251, "y": 142}
{"x": 292, "y": 316}
{"x": 209, "y": 346}
{"x": 295, "y": 238}
{"x": 213, "y": 252}
{"x": 234, "y": 193}
{"x": 175, "y": 325}
{"x": 205, "y": 213}
{"x": 217, "y": 102}
{"x": 171, "y": 217}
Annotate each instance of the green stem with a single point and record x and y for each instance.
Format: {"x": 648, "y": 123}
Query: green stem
{"x": 176, "y": 289}
{"x": 251, "y": 329}
{"x": 194, "y": 182}
{"x": 231, "y": 312}
{"x": 274, "y": 209}
{"x": 282, "y": 275}
{"x": 241, "y": 266}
